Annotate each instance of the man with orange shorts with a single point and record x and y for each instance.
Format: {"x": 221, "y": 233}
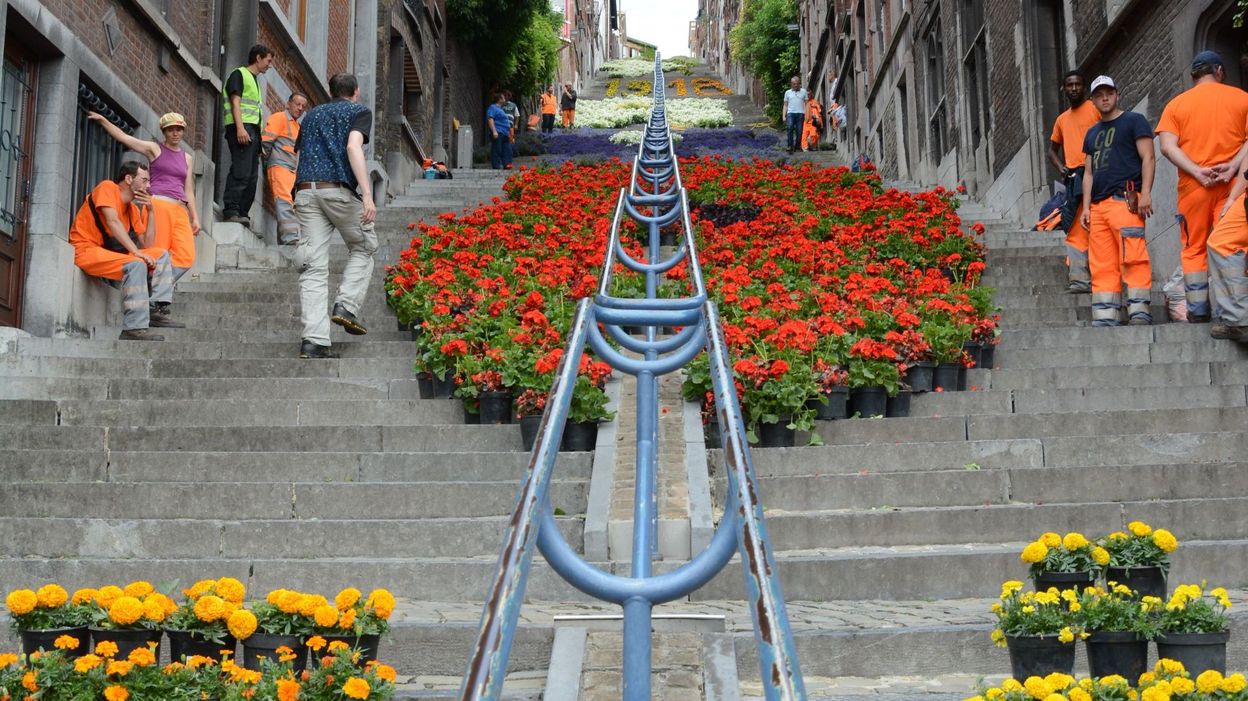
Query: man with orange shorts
{"x": 550, "y": 107}
{"x": 1117, "y": 198}
{"x": 1066, "y": 154}
{"x": 105, "y": 247}
{"x": 281, "y": 131}
{"x": 1203, "y": 133}
{"x": 1228, "y": 267}
{"x": 567, "y": 104}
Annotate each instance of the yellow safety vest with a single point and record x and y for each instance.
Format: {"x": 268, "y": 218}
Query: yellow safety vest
{"x": 248, "y": 102}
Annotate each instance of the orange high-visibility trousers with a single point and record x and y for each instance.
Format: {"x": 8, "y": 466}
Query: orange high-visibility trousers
{"x": 101, "y": 262}
{"x": 1198, "y": 211}
{"x": 282, "y": 185}
{"x": 1117, "y": 253}
{"x": 1077, "y": 250}
{"x": 173, "y": 231}
{"x": 1228, "y": 278}
{"x": 569, "y": 116}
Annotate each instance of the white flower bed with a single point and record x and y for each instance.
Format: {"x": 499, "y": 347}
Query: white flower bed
{"x": 633, "y": 138}
{"x": 617, "y": 112}
{"x": 634, "y": 67}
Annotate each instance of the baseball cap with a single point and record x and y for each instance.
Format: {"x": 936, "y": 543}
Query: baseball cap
{"x": 1103, "y": 81}
{"x": 1206, "y": 58}
{"x": 172, "y": 119}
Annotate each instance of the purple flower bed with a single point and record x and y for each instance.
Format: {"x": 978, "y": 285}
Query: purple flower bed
{"x": 596, "y": 143}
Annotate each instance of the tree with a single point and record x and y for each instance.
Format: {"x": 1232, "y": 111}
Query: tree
{"x": 516, "y": 42}
{"x": 765, "y": 45}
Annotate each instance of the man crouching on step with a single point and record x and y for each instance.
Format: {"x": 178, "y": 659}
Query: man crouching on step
{"x": 1117, "y": 198}
{"x": 331, "y": 166}
{"x": 106, "y": 246}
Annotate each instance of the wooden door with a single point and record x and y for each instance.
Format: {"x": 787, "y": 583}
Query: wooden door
{"x": 17, "y": 117}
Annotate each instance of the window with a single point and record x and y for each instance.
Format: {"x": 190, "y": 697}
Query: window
{"x": 96, "y": 155}
{"x": 298, "y": 17}
{"x": 934, "y": 64}
{"x": 975, "y": 70}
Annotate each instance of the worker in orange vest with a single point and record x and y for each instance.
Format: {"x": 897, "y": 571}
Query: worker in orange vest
{"x": 813, "y": 128}
{"x": 278, "y": 149}
{"x": 550, "y": 107}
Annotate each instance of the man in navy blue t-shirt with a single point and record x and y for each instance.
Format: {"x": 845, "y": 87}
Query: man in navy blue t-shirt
{"x": 1117, "y": 198}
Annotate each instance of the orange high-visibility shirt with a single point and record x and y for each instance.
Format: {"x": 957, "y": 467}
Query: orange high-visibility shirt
{"x": 550, "y": 104}
{"x": 84, "y": 233}
{"x": 283, "y": 132}
{"x": 1211, "y": 121}
{"x": 1070, "y": 128}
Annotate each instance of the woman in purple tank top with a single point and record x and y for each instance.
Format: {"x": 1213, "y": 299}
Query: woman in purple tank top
{"x": 173, "y": 187}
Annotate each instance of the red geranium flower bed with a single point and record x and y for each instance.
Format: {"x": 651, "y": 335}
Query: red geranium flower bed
{"x": 822, "y": 277}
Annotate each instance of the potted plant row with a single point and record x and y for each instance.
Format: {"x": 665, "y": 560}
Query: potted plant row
{"x": 1167, "y": 680}
{"x": 57, "y": 673}
{"x": 209, "y": 623}
{"x": 1138, "y": 558}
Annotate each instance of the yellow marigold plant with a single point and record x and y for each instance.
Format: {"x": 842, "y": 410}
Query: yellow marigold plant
{"x": 340, "y": 675}
{"x": 46, "y": 608}
{"x": 287, "y": 612}
{"x": 114, "y": 609}
{"x": 1070, "y": 553}
{"x": 353, "y": 614}
{"x": 1192, "y": 610}
{"x": 207, "y": 607}
{"x": 1031, "y": 613}
{"x": 1141, "y": 546}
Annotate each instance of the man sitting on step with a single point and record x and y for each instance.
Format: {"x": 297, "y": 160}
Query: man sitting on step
{"x": 1228, "y": 266}
{"x": 106, "y": 246}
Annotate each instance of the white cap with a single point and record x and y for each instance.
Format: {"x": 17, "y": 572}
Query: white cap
{"x": 1103, "y": 81}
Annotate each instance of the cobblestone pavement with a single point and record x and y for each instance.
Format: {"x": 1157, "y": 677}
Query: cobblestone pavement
{"x": 673, "y": 485}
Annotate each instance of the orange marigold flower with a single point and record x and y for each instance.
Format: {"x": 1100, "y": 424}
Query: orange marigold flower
{"x": 28, "y": 682}
{"x": 138, "y": 589}
{"x": 119, "y": 668}
{"x": 87, "y": 662}
{"x": 21, "y": 602}
{"x": 242, "y": 623}
{"x": 287, "y": 690}
{"x": 347, "y": 598}
{"x": 356, "y": 688}
{"x": 231, "y": 590}
{"x": 106, "y": 648}
{"x": 116, "y": 693}
{"x": 326, "y": 616}
{"x": 385, "y": 672}
{"x": 142, "y": 656}
{"x": 125, "y": 610}
{"x": 316, "y": 642}
{"x": 66, "y": 642}
{"x": 51, "y": 596}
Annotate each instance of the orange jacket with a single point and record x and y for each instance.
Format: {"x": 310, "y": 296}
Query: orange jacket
{"x": 279, "y": 136}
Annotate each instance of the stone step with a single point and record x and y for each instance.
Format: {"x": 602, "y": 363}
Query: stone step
{"x": 1011, "y": 453}
{"x": 435, "y": 579}
{"x": 51, "y": 366}
{"x": 887, "y": 525}
{"x": 942, "y": 571}
{"x": 252, "y": 388}
{"x": 1043, "y": 401}
{"x": 1137, "y": 419}
{"x": 201, "y": 350}
{"x": 62, "y": 537}
{"x": 1019, "y": 339}
{"x": 984, "y": 486}
{"x": 300, "y": 501}
{"x": 282, "y": 439}
{"x": 250, "y": 412}
{"x": 1152, "y": 375}
{"x": 1043, "y": 250}
{"x": 1014, "y": 302}
{"x": 382, "y": 330}
{"x": 100, "y": 465}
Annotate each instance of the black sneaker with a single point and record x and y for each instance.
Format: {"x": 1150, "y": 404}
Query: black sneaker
{"x": 347, "y": 321}
{"x": 1221, "y": 332}
{"x": 160, "y": 318}
{"x": 139, "y": 335}
{"x": 315, "y": 350}
{"x": 1197, "y": 318}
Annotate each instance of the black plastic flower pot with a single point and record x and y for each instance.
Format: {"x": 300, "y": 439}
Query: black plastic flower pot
{"x": 264, "y": 646}
{"x": 920, "y": 376}
{"x": 579, "y": 436}
{"x": 528, "y": 431}
{"x": 402, "y": 326}
{"x": 424, "y": 385}
{"x": 988, "y": 357}
{"x": 836, "y": 406}
{"x": 187, "y": 643}
{"x": 368, "y": 645}
{"x": 127, "y": 641}
{"x": 495, "y": 407}
{"x": 1039, "y": 655}
{"x": 945, "y": 377}
{"x": 868, "y": 402}
{"x": 443, "y": 386}
{"x": 667, "y": 238}
{"x": 777, "y": 435}
{"x": 472, "y": 414}
{"x": 973, "y": 350}
{"x": 962, "y": 383}
{"x": 34, "y": 640}
{"x": 898, "y": 406}
{"x": 1197, "y": 651}
{"x": 1124, "y": 654}
{"x": 711, "y": 435}
{"x": 1075, "y": 581}
{"x": 1144, "y": 581}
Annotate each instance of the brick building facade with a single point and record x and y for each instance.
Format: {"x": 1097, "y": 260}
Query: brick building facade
{"x": 133, "y": 60}
{"x": 965, "y": 91}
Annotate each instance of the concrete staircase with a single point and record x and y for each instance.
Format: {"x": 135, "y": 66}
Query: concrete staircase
{"x": 220, "y": 452}
{"x": 893, "y": 538}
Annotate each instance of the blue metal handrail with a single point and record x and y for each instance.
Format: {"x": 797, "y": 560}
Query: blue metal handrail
{"x": 654, "y": 198}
